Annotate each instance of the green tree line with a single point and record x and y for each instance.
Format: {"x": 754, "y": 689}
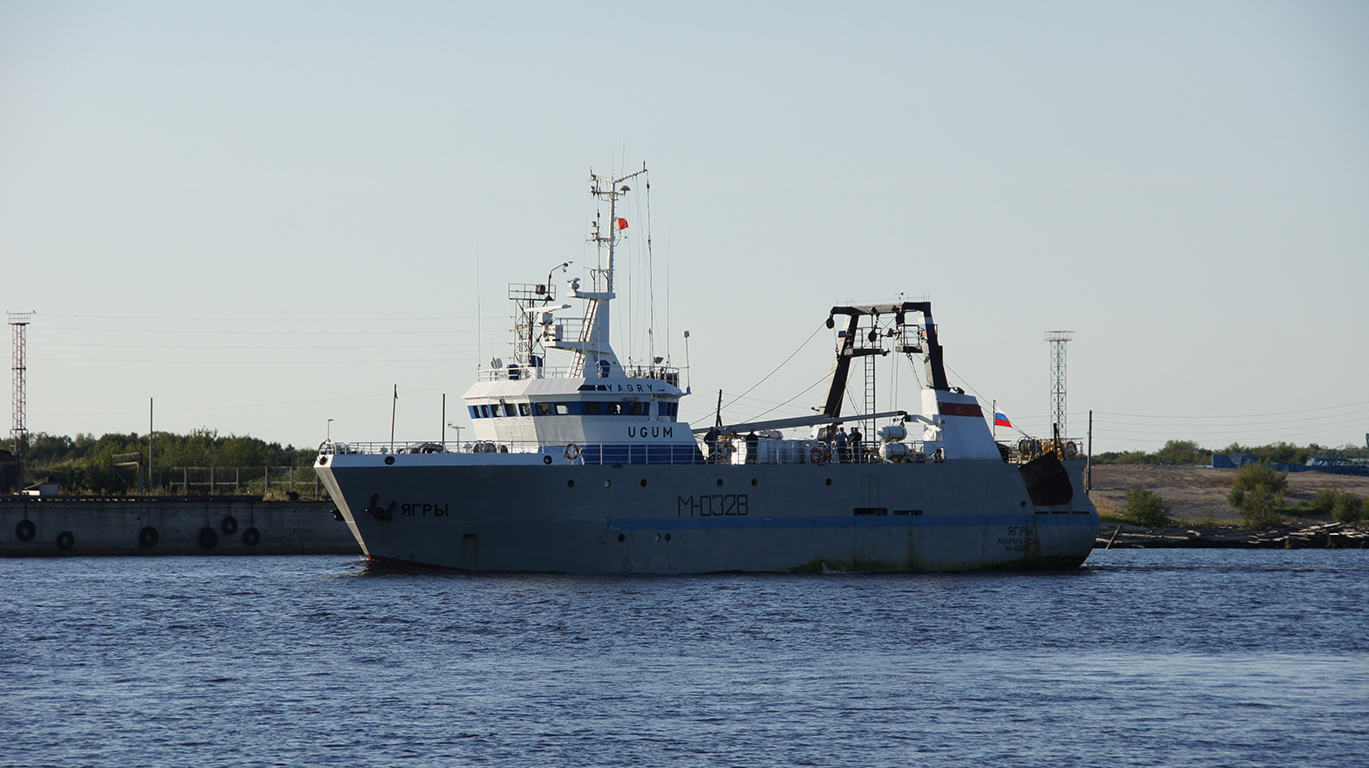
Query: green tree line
{"x": 1189, "y": 452}
{"x": 87, "y": 464}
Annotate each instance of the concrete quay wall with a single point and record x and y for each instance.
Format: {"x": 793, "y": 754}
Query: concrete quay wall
{"x": 74, "y": 526}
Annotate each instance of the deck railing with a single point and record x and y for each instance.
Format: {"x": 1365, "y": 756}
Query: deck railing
{"x": 514, "y": 372}
{"x": 727, "y": 451}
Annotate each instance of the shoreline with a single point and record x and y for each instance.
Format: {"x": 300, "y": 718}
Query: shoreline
{"x": 1305, "y": 534}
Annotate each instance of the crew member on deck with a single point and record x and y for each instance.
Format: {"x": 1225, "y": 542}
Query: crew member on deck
{"x": 711, "y": 441}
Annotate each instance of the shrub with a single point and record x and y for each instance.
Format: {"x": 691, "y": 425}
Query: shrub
{"x": 1257, "y": 478}
{"x": 1257, "y": 494}
{"x": 1325, "y": 501}
{"x": 1146, "y": 509}
{"x": 1259, "y": 508}
{"x": 1347, "y": 508}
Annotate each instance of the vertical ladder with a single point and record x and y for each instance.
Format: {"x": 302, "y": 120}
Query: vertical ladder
{"x": 867, "y": 427}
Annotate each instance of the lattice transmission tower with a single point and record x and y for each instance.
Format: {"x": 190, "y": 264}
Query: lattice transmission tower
{"x": 1057, "y": 340}
{"x": 19, "y": 434}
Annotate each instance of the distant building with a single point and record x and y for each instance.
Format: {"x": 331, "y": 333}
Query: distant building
{"x": 9, "y": 472}
{"x": 46, "y": 487}
{"x": 1232, "y": 460}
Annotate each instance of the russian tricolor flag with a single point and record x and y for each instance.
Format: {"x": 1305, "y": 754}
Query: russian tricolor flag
{"x": 999, "y": 420}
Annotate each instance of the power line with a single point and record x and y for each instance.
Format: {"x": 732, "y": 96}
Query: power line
{"x": 1234, "y": 416}
{"x": 292, "y": 331}
{"x": 258, "y": 319}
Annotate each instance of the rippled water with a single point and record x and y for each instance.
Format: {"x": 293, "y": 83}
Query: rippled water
{"x": 1191, "y": 658}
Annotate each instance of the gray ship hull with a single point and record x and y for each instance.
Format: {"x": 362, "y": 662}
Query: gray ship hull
{"x": 507, "y": 513}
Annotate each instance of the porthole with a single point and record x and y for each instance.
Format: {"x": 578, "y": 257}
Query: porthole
{"x": 607, "y": 483}
{"x": 667, "y": 537}
{"x": 753, "y": 482}
{"x": 570, "y": 483}
{"x": 322, "y": 460}
{"x": 622, "y": 537}
{"x": 389, "y": 459}
{"x": 829, "y": 481}
{"x": 658, "y": 537}
{"x": 644, "y": 482}
{"x": 720, "y": 482}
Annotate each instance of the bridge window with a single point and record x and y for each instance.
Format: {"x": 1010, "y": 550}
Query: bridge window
{"x": 542, "y": 409}
{"x": 562, "y": 409}
{"x": 524, "y": 409}
{"x": 484, "y": 411}
{"x": 592, "y": 407}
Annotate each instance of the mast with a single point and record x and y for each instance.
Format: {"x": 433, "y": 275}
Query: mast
{"x": 594, "y": 356}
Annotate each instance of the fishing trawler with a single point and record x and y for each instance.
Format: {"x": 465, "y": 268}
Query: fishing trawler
{"x": 586, "y": 468}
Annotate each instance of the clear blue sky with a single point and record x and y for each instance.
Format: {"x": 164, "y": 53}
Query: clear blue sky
{"x": 266, "y": 215}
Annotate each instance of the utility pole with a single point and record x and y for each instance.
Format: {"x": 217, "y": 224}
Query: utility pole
{"x": 1088, "y": 478}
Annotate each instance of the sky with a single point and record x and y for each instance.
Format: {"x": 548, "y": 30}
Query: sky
{"x": 266, "y": 218}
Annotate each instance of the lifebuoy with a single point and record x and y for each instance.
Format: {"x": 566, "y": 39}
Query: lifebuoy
{"x": 1071, "y": 450}
{"x": 817, "y": 456}
{"x": 65, "y": 540}
{"x": 208, "y": 538}
{"x": 147, "y": 537}
{"x": 25, "y": 530}
{"x": 229, "y": 526}
{"x": 251, "y": 537}
{"x": 572, "y": 452}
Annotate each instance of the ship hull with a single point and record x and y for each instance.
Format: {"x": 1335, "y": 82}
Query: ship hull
{"x": 513, "y": 515}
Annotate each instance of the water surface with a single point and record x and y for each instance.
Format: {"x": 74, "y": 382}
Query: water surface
{"x": 1177, "y": 657}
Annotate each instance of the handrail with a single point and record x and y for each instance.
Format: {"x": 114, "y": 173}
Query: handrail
{"x": 667, "y": 373}
{"x": 728, "y": 451}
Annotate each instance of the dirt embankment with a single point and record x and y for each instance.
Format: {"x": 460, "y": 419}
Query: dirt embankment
{"x": 1195, "y": 492}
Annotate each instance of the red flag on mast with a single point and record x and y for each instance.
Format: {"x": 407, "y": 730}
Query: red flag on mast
{"x": 622, "y": 223}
